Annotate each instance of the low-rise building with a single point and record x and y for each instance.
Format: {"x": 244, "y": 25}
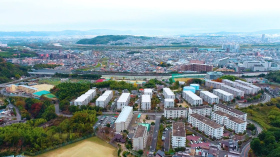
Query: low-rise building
{"x": 236, "y": 92}
{"x": 104, "y": 99}
{"x": 229, "y": 121}
{"x": 213, "y": 84}
{"x": 148, "y": 91}
{"x": 203, "y": 110}
{"x": 206, "y": 125}
{"x": 168, "y": 94}
{"x": 223, "y": 95}
{"x": 255, "y": 88}
{"x": 209, "y": 97}
{"x": 231, "y": 111}
{"x": 175, "y": 112}
{"x": 85, "y": 98}
{"x": 245, "y": 89}
{"x": 229, "y": 82}
{"x": 124, "y": 119}
{"x": 123, "y": 100}
{"x": 178, "y": 135}
{"x": 146, "y": 102}
{"x": 139, "y": 140}
{"x": 168, "y": 103}
{"x": 192, "y": 98}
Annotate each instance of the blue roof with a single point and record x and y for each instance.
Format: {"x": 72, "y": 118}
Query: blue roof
{"x": 41, "y": 93}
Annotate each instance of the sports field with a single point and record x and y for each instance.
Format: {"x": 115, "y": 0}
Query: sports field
{"x": 86, "y": 148}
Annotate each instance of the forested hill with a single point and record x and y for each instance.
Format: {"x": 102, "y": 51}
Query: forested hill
{"x": 9, "y": 70}
{"x": 108, "y": 38}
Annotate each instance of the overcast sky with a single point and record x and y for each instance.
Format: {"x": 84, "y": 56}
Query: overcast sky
{"x": 166, "y": 15}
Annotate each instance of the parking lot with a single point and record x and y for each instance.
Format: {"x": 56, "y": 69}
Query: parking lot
{"x": 104, "y": 120}
{"x": 197, "y": 142}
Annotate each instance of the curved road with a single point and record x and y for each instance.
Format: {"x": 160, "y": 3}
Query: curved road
{"x": 267, "y": 98}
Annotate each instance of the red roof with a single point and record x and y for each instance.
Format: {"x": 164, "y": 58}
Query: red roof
{"x": 141, "y": 89}
{"x": 99, "y": 80}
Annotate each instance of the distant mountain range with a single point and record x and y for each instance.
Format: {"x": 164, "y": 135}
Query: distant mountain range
{"x": 120, "y": 32}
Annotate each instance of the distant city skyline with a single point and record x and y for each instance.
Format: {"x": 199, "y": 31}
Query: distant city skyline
{"x": 168, "y": 17}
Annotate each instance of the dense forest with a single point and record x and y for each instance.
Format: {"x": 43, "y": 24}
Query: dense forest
{"x": 273, "y": 76}
{"x": 32, "y": 137}
{"x": 268, "y": 117}
{"x": 9, "y": 70}
{"x": 42, "y": 66}
{"x": 107, "y": 38}
{"x": 82, "y": 76}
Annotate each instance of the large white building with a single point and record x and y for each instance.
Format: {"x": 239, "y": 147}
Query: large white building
{"x": 206, "y": 125}
{"x": 85, "y": 98}
{"x": 256, "y": 89}
{"x": 236, "y": 92}
{"x": 209, "y": 97}
{"x": 245, "y": 89}
{"x": 168, "y": 94}
{"x": 123, "y": 100}
{"x": 203, "y": 110}
{"x": 124, "y": 119}
{"x": 178, "y": 135}
{"x": 229, "y": 121}
{"x": 229, "y": 82}
{"x": 231, "y": 111}
{"x": 139, "y": 140}
{"x": 146, "y": 102}
{"x": 223, "y": 95}
{"x": 176, "y": 112}
{"x": 168, "y": 103}
{"x": 148, "y": 91}
{"x": 192, "y": 98}
{"x": 104, "y": 99}
{"x": 213, "y": 84}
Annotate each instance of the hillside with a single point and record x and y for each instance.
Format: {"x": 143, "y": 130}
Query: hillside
{"x": 9, "y": 70}
{"x": 108, "y": 38}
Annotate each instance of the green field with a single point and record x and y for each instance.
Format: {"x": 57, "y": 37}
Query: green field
{"x": 93, "y": 146}
{"x": 52, "y": 81}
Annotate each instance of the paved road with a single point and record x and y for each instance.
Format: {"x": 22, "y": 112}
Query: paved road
{"x": 267, "y": 98}
{"x": 12, "y": 82}
{"x": 167, "y": 140}
{"x": 56, "y": 106}
{"x": 155, "y": 135}
{"x": 246, "y": 148}
{"x": 17, "y": 110}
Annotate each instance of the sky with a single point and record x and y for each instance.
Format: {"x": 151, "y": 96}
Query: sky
{"x": 174, "y": 16}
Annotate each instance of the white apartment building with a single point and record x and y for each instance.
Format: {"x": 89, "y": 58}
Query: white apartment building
{"x": 123, "y": 100}
{"x": 203, "y": 110}
{"x": 124, "y": 119}
{"x": 206, "y": 125}
{"x": 146, "y": 102}
{"x": 178, "y": 135}
{"x": 256, "y": 89}
{"x": 139, "y": 140}
{"x": 213, "y": 84}
{"x": 223, "y": 95}
{"x": 104, "y": 99}
{"x": 148, "y": 91}
{"x": 85, "y": 98}
{"x": 82, "y": 100}
{"x": 231, "y": 111}
{"x": 91, "y": 93}
{"x": 168, "y": 103}
{"x": 230, "y": 122}
{"x": 229, "y": 82}
{"x": 246, "y": 89}
{"x": 175, "y": 112}
{"x": 209, "y": 97}
{"x": 236, "y": 92}
{"x": 168, "y": 94}
{"x": 192, "y": 98}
